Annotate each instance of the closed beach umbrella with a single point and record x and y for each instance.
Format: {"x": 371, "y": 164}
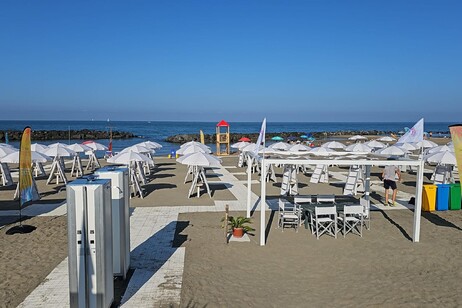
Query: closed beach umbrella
{"x": 95, "y": 146}
{"x": 6, "y": 150}
{"x": 239, "y": 145}
{"x": 426, "y": 144}
{"x": 13, "y": 158}
{"x": 283, "y": 146}
{"x": 299, "y": 148}
{"x": 392, "y": 150}
{"x": 137, "y": 149}
{"x": 357, "y": 137}
{"x": 375, "y": 144}
{"x": 334, "y": 145}
{"x": 58, "y": 151}
{"x": 37, "y": 147}
{"x": 407, "y": 146}
{"x": 441, "y": 148}
{"x": 200, "y": 159}
{"x": 277, "y": 138}
{"x": 78, "y": 148}
{"x": 192, "y": 149}
{"x": 322, "y": 151}
{"x": 447, "y": 158}
{"x": 386, "y": 139}
{"x": 245, "y": 139}
{"x": 359, "y": 147}
{"x": 150, "y": 145}
{"x": 125, "y": 158}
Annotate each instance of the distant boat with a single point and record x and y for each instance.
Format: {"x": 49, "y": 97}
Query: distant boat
{"x": 108, "y": 119}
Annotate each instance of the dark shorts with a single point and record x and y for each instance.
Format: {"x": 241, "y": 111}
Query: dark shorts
{"x": 389, "y": 184}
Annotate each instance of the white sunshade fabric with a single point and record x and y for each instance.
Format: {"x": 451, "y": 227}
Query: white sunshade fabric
{"x": 375, "y": 144}
{"x": 193, "y": 149}
{"x": 78, "y": 148}
{"x": 358, "y": 147}
{"x": 13, "y": 158}
{"x": 138, "y": 149}
{"x": 127, "y": 157}
{"x": 150, "y": 145}
{"x": 357, "y": 137}
{"x": 322, "y": 151}
{"x": 199, "y": 159}
{"x": 447, "y": 158}
{"x": 239, "y": 145}
{"x": 334, "y": 145}
{"x": 282, "y": 146}
{"x": 426, "y": 144}
{"x": 6, "y": 150}
{"x": 386, "y": 139}
{"x": 407, "y": 146}
{"x": 95, "y": 146}
{"x": 187, "y": 144}
{"x": 441, "y": 148}
{"x": 37, "y": 147}
{"x": 391, "y": 150}
{"x": 58, "y": 151}
{"x": 299, "y": 148}
{"x": 6, "y": 145}
{"x": 58, "y": 144}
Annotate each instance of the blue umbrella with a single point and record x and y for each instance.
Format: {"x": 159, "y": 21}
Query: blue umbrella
{"x": 304, "y": 136}
{"x": 277, "y": 138}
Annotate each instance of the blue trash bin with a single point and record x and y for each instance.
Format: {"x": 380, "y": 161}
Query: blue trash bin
{"x": 442, "y": 197}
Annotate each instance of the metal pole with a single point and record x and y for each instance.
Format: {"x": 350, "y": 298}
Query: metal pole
{"x": 418, "y": 204}
{"x": 249, "y": 184}
{"x": 263, "y": 202}
{"x": 367, "y": 184}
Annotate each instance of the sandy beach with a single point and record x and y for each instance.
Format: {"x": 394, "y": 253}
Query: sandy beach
{"x": 383, "y": 268}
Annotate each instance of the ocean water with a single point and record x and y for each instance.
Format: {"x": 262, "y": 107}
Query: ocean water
{"x": 159, "y": 131}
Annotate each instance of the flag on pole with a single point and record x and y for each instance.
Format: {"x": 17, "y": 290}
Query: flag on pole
{"x": 261, "y": 137}
{"x": 456, "y": 135}
{"x": 415, "y": 134}
{"x": 26, "y": 185}
{"x": 202, "y": 137}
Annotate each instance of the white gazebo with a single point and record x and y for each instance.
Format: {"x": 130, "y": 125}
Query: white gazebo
{"x": 366, "y": 161}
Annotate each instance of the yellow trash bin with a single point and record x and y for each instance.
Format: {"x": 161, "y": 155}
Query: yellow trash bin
{"x": 429, "y": 198}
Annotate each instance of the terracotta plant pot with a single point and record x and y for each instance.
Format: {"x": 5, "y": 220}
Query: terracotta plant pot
{"x": 238, "y": 232}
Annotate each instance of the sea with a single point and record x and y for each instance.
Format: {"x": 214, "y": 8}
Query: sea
{"x": 159, "y": 130}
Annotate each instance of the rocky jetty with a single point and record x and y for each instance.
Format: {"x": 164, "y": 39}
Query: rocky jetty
{"x": 84, "y": 134}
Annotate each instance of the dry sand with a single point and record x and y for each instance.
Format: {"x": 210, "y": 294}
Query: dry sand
{"x": 384, "y": 268}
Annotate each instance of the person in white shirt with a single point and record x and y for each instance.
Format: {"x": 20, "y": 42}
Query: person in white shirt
{"x": 389, "y": 175}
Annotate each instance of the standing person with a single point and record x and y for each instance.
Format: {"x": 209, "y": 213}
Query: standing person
{"x": 389, "y": 181}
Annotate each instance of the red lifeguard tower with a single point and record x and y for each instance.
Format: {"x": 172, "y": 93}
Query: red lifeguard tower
{"x": 223, "y": 138}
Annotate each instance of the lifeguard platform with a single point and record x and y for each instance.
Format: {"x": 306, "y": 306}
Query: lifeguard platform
{"x": 223, "y": 138}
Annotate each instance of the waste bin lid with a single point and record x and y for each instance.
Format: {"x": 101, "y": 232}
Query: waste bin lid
{"x": 444, "y": 185}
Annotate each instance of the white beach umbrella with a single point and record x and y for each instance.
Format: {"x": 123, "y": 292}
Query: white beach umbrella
{"x": 447, "y": 158}
{"x": 358, "y": 147}
{"x": 37, "y": 147}
{"x": 125, "y": 158}
{"x": 406, "y": 146}
{"x": 357, "y": 137}
{"x": 6, "y": 150}
{"x": 138, "y": 149}
{"x": 426, "y": 144}
{"x": 322, "y": 151}
{"x": 299, "y": 148}
{"x": 95, "y": 146}
{"x": 334, "y": 145}
{"x": 192, "y": 149}
{"x": 386, "y": 139}
{"x": 58, "y": 151}
{"x": 200, "y": 159}
{"x": 450, "y": 144}
{"x": 249, "y": 148}
{"x": 239, "y": 145}
{"x": 150, "y": 145}
{"x": 391, "y": 150}
{"x": 441, "y": 148}
{"x": 6, "y": 145}
{"x": 187, "y": 144}
{"x": 375, "y": 144}
{"x": 58, "y": 144}
{"x": 283, "y": 146}
{"x": 13, "y": 158}
{"x": 78, "y": 148}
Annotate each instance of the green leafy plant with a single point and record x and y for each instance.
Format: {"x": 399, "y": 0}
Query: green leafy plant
{"x": 239, "y": 222}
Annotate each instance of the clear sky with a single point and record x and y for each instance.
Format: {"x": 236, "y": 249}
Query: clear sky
{"x": 237, "y": 60}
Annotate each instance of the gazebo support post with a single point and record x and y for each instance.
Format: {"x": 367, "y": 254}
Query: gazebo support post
{"x": 263, "y": 203}
{"x": 249, "y": 183}
{"x": 367, "y": 183}
{"x": 418, "y": 204}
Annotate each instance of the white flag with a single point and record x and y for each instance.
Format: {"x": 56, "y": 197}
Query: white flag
{"x": 415, "y": 134}
{"x": 261, "y": 137}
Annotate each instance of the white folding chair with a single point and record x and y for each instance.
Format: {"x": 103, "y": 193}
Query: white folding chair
{"x": 352, "y": 219}
{"x": 298, "y": 200}
{"x": 325, "y": 220}
{"x": 289, "y": 214}
{"x": 325, "y": 199}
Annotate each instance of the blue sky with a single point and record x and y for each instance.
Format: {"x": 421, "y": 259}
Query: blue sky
{"x": 238, "y": 60}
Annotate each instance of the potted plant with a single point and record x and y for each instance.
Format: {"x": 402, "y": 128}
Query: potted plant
{"x": 239, "y": 225}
